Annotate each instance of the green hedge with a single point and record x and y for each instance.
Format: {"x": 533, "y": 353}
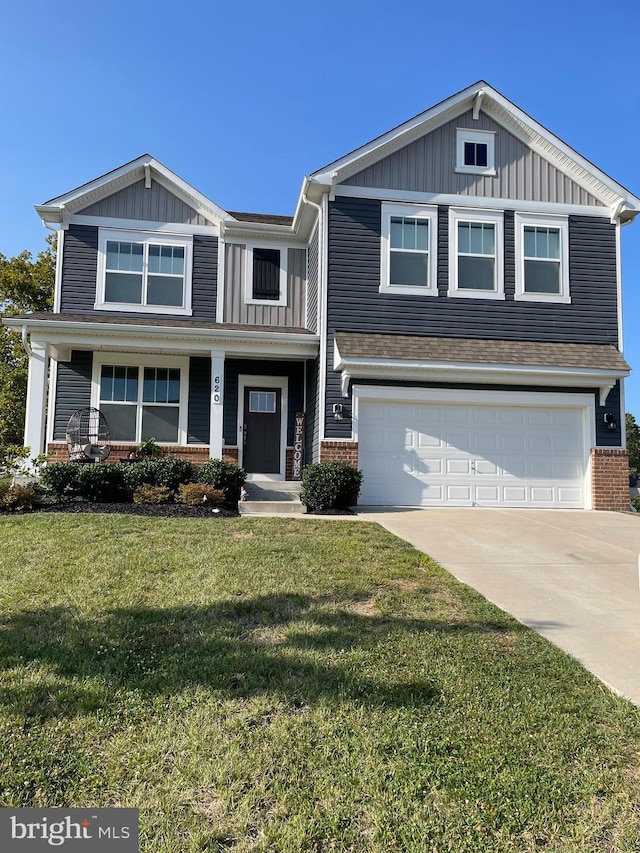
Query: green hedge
{"x": 330, "y": 486}
{"x": 223, "y": 475}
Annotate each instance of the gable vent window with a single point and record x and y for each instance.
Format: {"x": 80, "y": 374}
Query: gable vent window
{"x": 475, "y": 151}
{"x": 266, "y": 274}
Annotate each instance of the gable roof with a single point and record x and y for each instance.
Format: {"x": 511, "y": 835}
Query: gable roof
{"x": 482, "y": 96}
{"x": 141, "y": 168}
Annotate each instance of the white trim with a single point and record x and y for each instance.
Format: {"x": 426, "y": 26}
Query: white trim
{"x": 623, "y": 425}
{"x": 141, "y": 361}
{"x": 281, "y": 382}
{"x": 221, "y": 284}
{"x": 216, "y": 405}
{"x": 248, "y": 277}
{"x": 457, "y": 215}
{"x": 561, "y": 223}
{"x": 483, "y": 137}
{"x": 145, "y": 225}
{"x": 35, "y": 414}
{"x": 586, "y": 402}
{"x": 51, "y": 406}
{"x": 323, "y": 300}
{"x": 478, "y": 202}
{"x": 415, "y": 211}
{"x": 619, "y": 288}
{"x": 57, "y": 290}
{"x": 146, "y": 238}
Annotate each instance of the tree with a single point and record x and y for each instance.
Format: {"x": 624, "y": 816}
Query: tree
{"x": 25, "y": 285}
{"x": 633, "y": 443}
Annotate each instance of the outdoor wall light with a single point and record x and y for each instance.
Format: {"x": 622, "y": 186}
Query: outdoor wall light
{"x": 337, "y": 411}
{"x": 610, "y": 420}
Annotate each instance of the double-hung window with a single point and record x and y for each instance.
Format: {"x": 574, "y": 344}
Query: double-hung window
{"x": 542, "y": 258}
{"x": 141, "y": 401}
{"x": 408, "y": 261}
{"x": 266, "y": 275}
{"x": 144, "y": 272}
{"x": 476, "y": 254}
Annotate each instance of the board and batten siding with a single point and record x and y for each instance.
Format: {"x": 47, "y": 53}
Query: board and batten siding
{"x": 236, "y": 310}
{"x": 80, "y": 272}
{"x": 153, "y": 204}
{"x": 428, "y": 165}
{"x": 73, "y": 390}
{"x": 312, "y": 282}
{"x": 355, "y": 303}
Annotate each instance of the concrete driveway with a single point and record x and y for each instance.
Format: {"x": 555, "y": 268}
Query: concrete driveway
{"x": 571, "y": 576}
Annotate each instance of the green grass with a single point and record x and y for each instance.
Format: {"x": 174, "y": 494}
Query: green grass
{"x": 295, "y": 685}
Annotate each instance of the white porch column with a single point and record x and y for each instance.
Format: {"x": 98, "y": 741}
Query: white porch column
{"x": 217, "y": 400}
{"x": 34, "y": 424}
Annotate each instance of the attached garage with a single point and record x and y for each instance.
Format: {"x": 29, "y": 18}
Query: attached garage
{"x": 428, "y": 447}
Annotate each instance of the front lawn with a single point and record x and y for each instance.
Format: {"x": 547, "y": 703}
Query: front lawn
{"x": 295, "y": 685}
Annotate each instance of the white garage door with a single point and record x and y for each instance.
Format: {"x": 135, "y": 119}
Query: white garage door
{"x": 435, "y": 454}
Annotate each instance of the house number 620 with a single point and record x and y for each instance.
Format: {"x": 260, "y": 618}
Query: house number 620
{"x": 216, "y": 389}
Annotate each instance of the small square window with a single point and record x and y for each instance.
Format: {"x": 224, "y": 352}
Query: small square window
{"x": 475, "y": 152}
{"x": 262, "y": 401}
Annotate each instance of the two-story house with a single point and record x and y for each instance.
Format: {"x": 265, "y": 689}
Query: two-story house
{"x": 443, "y": 307}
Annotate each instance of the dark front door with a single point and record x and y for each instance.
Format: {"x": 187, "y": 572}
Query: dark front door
{"x": 261, "y": 431}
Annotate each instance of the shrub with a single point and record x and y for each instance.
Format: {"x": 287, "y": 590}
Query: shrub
{"x": 635, "y": 503}
{"x": 11, "y": 458}
{"x": 103, "y": 483}
{"x": 196, "y": 494}
{"x": 330, "y": 485}
{"x": 21, "y": 497}
{"x": 167, "y": 471}
{"x": 223, "y": 475}
{"x": 61, "y": 479}
{"x": 151, "y": 495}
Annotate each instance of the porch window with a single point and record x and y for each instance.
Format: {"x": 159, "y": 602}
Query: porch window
{"x": 141, "y": 402}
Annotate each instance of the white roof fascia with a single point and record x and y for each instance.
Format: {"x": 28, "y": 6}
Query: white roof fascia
{"x": 507, "y": 114}
{"x": 106, "y": 185}
{"x": 70, "y": 332}
{"x": 372, "y": 368}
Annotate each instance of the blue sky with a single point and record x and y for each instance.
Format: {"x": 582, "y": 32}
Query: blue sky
{"x": 242, "y": 100}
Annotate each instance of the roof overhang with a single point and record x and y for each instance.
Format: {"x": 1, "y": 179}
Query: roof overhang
{"x": 132, "y": 337}
{"x": 481, "y": 95}
{"x": 390, "y": 370}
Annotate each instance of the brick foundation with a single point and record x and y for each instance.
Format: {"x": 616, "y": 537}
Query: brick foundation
{"x": 58, "y": 452}
{"x": 230, "y": 454}
{"x": 340, "y": 451}
{"x": 610, "y": 479}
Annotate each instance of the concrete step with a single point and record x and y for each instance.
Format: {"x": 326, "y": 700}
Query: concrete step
{"x": 269, "y": 507}
{"x": 273, "y": 491}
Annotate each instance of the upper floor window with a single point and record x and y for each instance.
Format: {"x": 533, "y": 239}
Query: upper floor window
{"x": 144, "y": 272}
{"x": 266, "y": 276}
{"x": 475, "y": 151}
{"x": 408, "y": 246}
{"x": 476, "y": 254}
{"x": 542, "y": 258}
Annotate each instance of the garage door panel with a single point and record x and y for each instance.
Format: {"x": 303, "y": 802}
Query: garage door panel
{"x": 432, "y": 454}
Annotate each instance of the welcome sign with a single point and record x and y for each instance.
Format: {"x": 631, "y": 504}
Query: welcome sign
{"x": 298, "y": 446}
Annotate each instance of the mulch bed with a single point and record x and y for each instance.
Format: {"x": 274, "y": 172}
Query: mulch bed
{"x": 148, "y": 510}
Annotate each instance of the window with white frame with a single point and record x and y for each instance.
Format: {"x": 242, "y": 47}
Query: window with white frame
{"x": 144, "y": 272}
{"x": 408, "y": 246}
{"x": 475, "y": 151}
{"x": 266, "y": 275}
{"x": 141, "y": 401}
{"x": 542, "y": 258}
{"x": 476, "y": 254}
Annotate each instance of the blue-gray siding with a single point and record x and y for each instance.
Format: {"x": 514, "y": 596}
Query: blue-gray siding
{"x": 312, "y": 282}
{"x": 153, "y": 204}
{"x": 312, "y": 425}
{"x": 355, "y": 303}
{"x": 234, "y": 367}
{"x": 199, "y": 414}
{"x": 428, "y": 165}
{"x": 73, "y": 390}
{"x": 80, "y": 270}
